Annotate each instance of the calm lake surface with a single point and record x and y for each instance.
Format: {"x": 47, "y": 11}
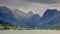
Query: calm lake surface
{"x": 30, "y": 32}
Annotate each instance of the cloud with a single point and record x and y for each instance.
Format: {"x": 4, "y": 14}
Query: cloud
{"x": 15, "y": 3}
{"x": 45, "y": 1}
{"x": 27, "y": 2}
{"x": 37, "y": 6}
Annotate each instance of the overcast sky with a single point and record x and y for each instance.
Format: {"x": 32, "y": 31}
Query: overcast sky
{"x": 37, "y": 6}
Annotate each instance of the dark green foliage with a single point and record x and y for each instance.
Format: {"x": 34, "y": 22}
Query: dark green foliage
{"x": 4, "y": 23}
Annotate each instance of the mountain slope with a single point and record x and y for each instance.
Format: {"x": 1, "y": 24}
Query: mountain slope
{"x": 55, "y": 21}
{"x": 22, "y": 17}
{"x": 6, "y": 14}
{"x": 32, "y": 21}
{"x": 48, "y": 15}
{"x": 3, "y": 22}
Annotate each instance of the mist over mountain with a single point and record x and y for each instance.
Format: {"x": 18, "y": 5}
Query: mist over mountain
{"x": 18, "y": 17}
{"x": 22, "y": 17}
{"x": 6, "y": 14}
{"x": 50, "y": 19}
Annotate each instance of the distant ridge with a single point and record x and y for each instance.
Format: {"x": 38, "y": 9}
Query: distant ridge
{"x": 50, "y": 19}
{"x": 17, "y": 17}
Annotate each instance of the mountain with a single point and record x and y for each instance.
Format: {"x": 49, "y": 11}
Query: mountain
{"x": 29, "y": 14}
{"x": 35, "y": 18}
{"x": 22, "y": 14}
{"x": 4, "y": 23}
{"x": 50, "y": 19}
{"x": 16, "y": 17}
{"x": 22, "y": 17}
{"x": 55, "y": 21}
{"x": 47, "y": 17}
{"x": 32, "y": 21}
{"x": 19, "y": 16}
{"x": 6, "y": 14}
{"x": 26, "y": 19}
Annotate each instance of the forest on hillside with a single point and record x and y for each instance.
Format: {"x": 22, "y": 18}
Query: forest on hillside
{"x": 4, "y": 25}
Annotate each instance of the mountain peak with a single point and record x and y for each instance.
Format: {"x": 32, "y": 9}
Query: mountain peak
{"x": 5, "y": 10}
{"x": 47, "y": 16}
{"x": 2, "y": 6}
{"x": 36, "y": 15}
{"x": 50, "y": 12}
{"x": 51, "y": 9}
{"x": 30, "y": 12}
{"x": 19, "y": 11}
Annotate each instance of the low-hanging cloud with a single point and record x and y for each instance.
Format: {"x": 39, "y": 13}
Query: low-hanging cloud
{"x": 45, "y": 1}
{"x": 38, "y": 6}
{"x": 33, "y": 1}
{"x": 13, "y": 2}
